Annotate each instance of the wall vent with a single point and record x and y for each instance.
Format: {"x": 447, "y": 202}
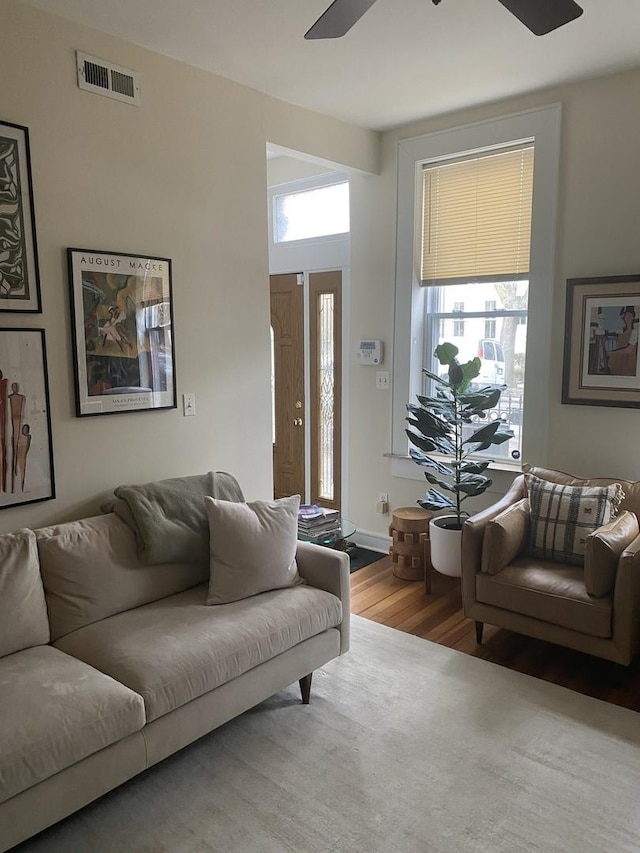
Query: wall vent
{"x": 105, "y": 78}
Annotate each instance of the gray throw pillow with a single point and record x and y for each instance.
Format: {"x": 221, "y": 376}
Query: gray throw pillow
{"x": 252, "y": 547}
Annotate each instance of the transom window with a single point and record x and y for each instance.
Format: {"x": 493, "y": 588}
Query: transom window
{"x": 311, "y": 213}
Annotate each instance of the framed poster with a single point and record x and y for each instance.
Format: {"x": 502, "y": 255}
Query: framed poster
{"x": 123, "y": 332}
{"x": 26, "y": 455}
{"x": 19, "y": 276}
{"x": 601, "y": 365}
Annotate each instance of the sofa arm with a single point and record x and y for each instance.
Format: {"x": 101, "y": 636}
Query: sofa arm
{"x": 626, "y": 602}
{"x": 473, "y": 535}
{"x": 328, "y": 569}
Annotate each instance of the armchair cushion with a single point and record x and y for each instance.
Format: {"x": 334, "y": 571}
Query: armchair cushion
{"x": 505, "y": 537}
{"x": 603, "y": 549}
{"x": 562, "y": 517}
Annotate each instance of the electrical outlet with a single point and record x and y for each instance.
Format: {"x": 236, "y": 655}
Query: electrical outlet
{"x": 382, "y": 506}
{"x": 189, "y": 405}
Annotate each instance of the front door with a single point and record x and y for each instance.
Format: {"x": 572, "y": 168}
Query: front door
{"x": 287, "y": 326}
{"x": 323, "y": 391}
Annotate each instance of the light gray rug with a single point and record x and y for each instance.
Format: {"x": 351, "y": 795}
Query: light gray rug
{"x": 407, "y": 746}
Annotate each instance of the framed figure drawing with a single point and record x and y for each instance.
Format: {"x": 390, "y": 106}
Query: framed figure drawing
{"x": 123, "y": 332}
{"x": 26, "y": 456}
{"x": 19, "y": 277}
{"x": 601, "y": 363}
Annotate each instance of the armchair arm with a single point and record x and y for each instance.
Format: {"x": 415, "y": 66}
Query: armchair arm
{"x": 473, "y": 535}
{"x": 626, "y": 602}
{"x": 328, "y": 569}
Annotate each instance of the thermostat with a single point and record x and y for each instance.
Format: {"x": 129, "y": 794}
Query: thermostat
{"x": 369, "y": 352}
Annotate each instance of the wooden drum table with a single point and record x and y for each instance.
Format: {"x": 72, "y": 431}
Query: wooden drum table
{"x": 409, "y": 552}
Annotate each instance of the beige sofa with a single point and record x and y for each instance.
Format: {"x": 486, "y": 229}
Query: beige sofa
{"x": 555, "y": 601}
{"x": 108, "y": 665}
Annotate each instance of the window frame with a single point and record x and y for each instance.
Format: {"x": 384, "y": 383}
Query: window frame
{"x": 543, "y": 127}
{"x": 321, "y": 181}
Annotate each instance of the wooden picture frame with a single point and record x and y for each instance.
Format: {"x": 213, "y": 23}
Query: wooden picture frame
{"x": 601, "y": 358}
{"x": 122, "y": 312}
{"x": 26, "y": 452}
{"x": 19, "y": 273}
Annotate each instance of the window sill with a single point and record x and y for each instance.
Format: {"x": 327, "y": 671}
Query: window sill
{"x": 403, "y": 466}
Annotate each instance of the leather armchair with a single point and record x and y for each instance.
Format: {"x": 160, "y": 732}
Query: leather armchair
{"x": 549, "y": 600}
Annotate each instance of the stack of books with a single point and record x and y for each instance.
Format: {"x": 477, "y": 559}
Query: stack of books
{"x": 315, "y": 520}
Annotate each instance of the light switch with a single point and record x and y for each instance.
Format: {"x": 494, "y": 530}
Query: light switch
{"x": 188, "y": 405}
{"x": 382, "y": 379}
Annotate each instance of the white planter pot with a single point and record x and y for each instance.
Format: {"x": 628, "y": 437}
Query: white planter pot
{"x": 446, "y": 546}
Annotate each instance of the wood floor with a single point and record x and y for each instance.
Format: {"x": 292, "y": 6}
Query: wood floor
{"x": 376, "y": 594}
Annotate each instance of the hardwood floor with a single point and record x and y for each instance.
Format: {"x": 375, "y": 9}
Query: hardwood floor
{"x": 378, "y": 595}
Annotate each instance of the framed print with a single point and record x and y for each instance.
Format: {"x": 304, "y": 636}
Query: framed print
{"x": 26, "y": 456}
{"x": 123, "y": 332}
{"x": 601, "y": 366}
{"x": 19, "y": 276}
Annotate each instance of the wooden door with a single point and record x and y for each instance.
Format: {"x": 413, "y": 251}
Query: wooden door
{"x": 287, "y": 325}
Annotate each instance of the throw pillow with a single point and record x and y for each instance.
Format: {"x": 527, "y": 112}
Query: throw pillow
{"x": 603, "y": 550}
{"x": 252, "y": 547}
{"x": 505, "y": 537}
{"x": 562, "y": 517}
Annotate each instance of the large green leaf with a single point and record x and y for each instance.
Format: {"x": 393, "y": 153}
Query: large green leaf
{"x": 429, "y": 462}
{"x": 430, "y": 424}
{"x": 427, "y": 445}
{"x": 436, "y": 481}
{"x": 467, "y": 466}
{"x": 491, "y": 433}
{"x": 479, "y": 400}
{"x": 433, "y": 500}
{"x": 446, "y": 353}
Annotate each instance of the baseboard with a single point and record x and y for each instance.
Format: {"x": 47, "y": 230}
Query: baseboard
{"x": 372, "y": 541}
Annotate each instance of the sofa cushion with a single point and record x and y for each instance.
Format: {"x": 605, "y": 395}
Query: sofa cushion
{"x": 55, "y": 711}
{"x": 549, "y": 592}
{"x": 562, "y": 516}
{"x": 252, "y": 546}
{"x": 91, "y": 570}
{"x": 603, "y": 550}
{"x": 177, "y": 649}
{"x": 505, "y": 537}
{"x": 23, "y": 611}
{"x": 631, "y": 488}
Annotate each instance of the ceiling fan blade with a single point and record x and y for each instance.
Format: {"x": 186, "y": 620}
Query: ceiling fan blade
{"x": 338, "y": 19}
{"x": 543, "y": 16}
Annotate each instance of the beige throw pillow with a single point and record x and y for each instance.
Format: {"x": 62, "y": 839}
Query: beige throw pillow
{"x": 252, "y": 547}
{"x": 603, "y": 550}
{"x": 505, "y": 537}
{"x": 23, "y": 612}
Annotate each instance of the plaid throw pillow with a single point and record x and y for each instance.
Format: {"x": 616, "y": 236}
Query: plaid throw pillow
{"x": 563, "y": 516}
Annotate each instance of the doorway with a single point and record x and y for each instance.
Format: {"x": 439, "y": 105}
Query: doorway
{"x": 306, "y": 328}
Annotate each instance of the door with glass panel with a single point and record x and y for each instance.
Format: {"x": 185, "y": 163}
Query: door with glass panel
{"x": 325, "y": 386}
{"x": 307, "y": 415}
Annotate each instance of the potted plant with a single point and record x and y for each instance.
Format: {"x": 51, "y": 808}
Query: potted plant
{"x": 436, "y": 426}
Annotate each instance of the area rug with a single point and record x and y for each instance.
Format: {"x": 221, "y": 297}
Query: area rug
{"x": 360, "y": 557}
{"x": 406, "y": 747}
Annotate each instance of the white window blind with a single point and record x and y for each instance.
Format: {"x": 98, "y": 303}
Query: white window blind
{"x": 476, "y": 223}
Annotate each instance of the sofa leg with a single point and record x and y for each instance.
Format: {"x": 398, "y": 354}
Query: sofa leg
{"x": 305, "y": 688}
{"x": 479, "y": 628}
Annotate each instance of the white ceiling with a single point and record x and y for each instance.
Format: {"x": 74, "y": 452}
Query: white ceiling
{"x": 404, "y": 60}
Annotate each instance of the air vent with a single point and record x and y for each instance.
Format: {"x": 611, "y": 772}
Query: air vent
{"x": 105, "y": 78}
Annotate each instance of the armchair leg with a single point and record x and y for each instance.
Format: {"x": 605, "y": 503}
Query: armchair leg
{"x": 305, "y": 688}
{"x": 479, "y": 628}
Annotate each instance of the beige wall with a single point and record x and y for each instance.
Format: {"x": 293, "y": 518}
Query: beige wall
{"x": 597, "y": 235}
{"x": 183, "y": 176}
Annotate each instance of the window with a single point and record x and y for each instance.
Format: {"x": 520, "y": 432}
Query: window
{"x": 499, "y": 267}
{"x": 490, "y": 324}
{"x": 474, "y": 252}
{"x": 310, "y": 213}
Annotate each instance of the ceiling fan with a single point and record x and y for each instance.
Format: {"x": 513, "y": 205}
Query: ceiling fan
{"x": 540, "y": 16}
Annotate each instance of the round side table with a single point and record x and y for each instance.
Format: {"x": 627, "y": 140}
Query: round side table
{"x": 409, "y": 551}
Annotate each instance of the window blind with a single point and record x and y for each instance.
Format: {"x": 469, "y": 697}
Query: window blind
{"x": 477, "y": 218}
